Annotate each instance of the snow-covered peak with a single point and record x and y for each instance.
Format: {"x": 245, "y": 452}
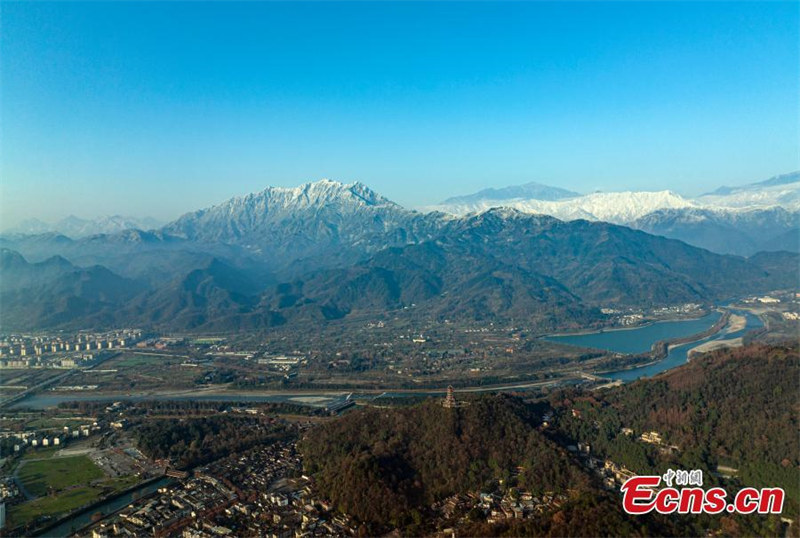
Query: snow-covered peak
{"x": 616, "y": 207}
{"x": 628, "y": 206}
{"x": 320, "y": 193}
{"x": 317, "y": 211}
{"x": 781, "y": 191}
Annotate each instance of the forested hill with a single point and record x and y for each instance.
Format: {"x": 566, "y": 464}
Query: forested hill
{"x": 386, "y": 467}
{"x": 734, "y": 411}
{"x": 378, "y": 465}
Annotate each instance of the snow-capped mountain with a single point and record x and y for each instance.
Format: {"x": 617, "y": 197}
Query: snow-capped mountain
{"x": 286, "y": 231}
{"x": 326, "y": 250}
{"x": 31, "y": 226}
{"x": 625, "y": 207}
{"x": 323, "y": 218}
{"x": 76, "y": 227}
{"x": 614, "y": 207}
{"x": 779, "y": 191}
{"x": 731, "y": 220}
{"x": 763, "y": 216}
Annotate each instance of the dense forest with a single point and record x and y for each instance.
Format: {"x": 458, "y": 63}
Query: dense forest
{"x": 378, "y": 465}
{"x": 734, "y": 410}
{"x": 190, "y": 442}
{"x": 386, "y": 467}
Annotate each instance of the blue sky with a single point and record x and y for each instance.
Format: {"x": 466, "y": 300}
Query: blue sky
{"x": 151, "y": 108}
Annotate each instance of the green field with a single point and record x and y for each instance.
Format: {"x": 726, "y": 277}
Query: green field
{"x": 66, "y": 501}
{"x": 62, "y": 485}
{"x": 49, "y": 506}
{"x": 56, "y": 474}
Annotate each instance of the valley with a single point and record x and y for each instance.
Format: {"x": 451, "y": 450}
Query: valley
{"x": 370, "y": 361}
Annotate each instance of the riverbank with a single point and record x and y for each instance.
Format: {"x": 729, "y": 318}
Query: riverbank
{"x": 73, "y": 522}
{"x": 679, "y": 354}
{"x": 675, "y": 342}
{"x": 715, "y": 345}
{"x": 737, "y": 323}
{"x": 660, "y": 350}
{"x": 612, "y": 329}
{"x": 639, "y": 340}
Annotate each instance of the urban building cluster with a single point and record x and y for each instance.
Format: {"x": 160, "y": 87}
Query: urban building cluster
{"x": 497, "y": 506}
{"x": 8, "y": 489}
{"x": 22, "y": 440}
{"x": 777, "y": 299}
{"x": 629, "y": 317}
{"x": 65, "y": 351}
{"x": 171, "y": 509}
{"x": 261, "y": 492}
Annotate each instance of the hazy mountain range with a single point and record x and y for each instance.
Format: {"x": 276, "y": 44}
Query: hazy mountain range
{"x": 532, "y": 191}
{"x": 328, "y": 251}
{"x": 76, "y": 227}
{"x": 730, "y": 220}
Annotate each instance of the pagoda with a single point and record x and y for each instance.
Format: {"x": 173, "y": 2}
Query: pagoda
{"x": 450, "y": 399}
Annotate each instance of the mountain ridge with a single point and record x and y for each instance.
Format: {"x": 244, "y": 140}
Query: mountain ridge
{"x": 730, "y": 220}
{"x": 76, "y": 227}
{"x": 532, "y": 189}
{"x": 326, "y": 250}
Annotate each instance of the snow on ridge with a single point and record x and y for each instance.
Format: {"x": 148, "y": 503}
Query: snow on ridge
{"x": 780, "y": 195}
{"x": 311, "y": 195}
{"x": 628, "y": 206}
{"x": 316, "y": 193}
{"x": 615, "y": 207}
{"x": 76, "y": 227}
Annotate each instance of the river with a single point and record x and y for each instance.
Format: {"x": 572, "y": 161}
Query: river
{"x": 72, "y": 524}
{"x": 640, "y": 340}
{"x": 45, "y": 400}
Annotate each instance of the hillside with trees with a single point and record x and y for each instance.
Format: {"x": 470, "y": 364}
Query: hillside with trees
{"x": 732, "y": 412}
{"x": 389, "y": 467}
{"x": 379, "y": 465}
{"x": 196, "y": 441}
{"x": 732, "y": 409}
